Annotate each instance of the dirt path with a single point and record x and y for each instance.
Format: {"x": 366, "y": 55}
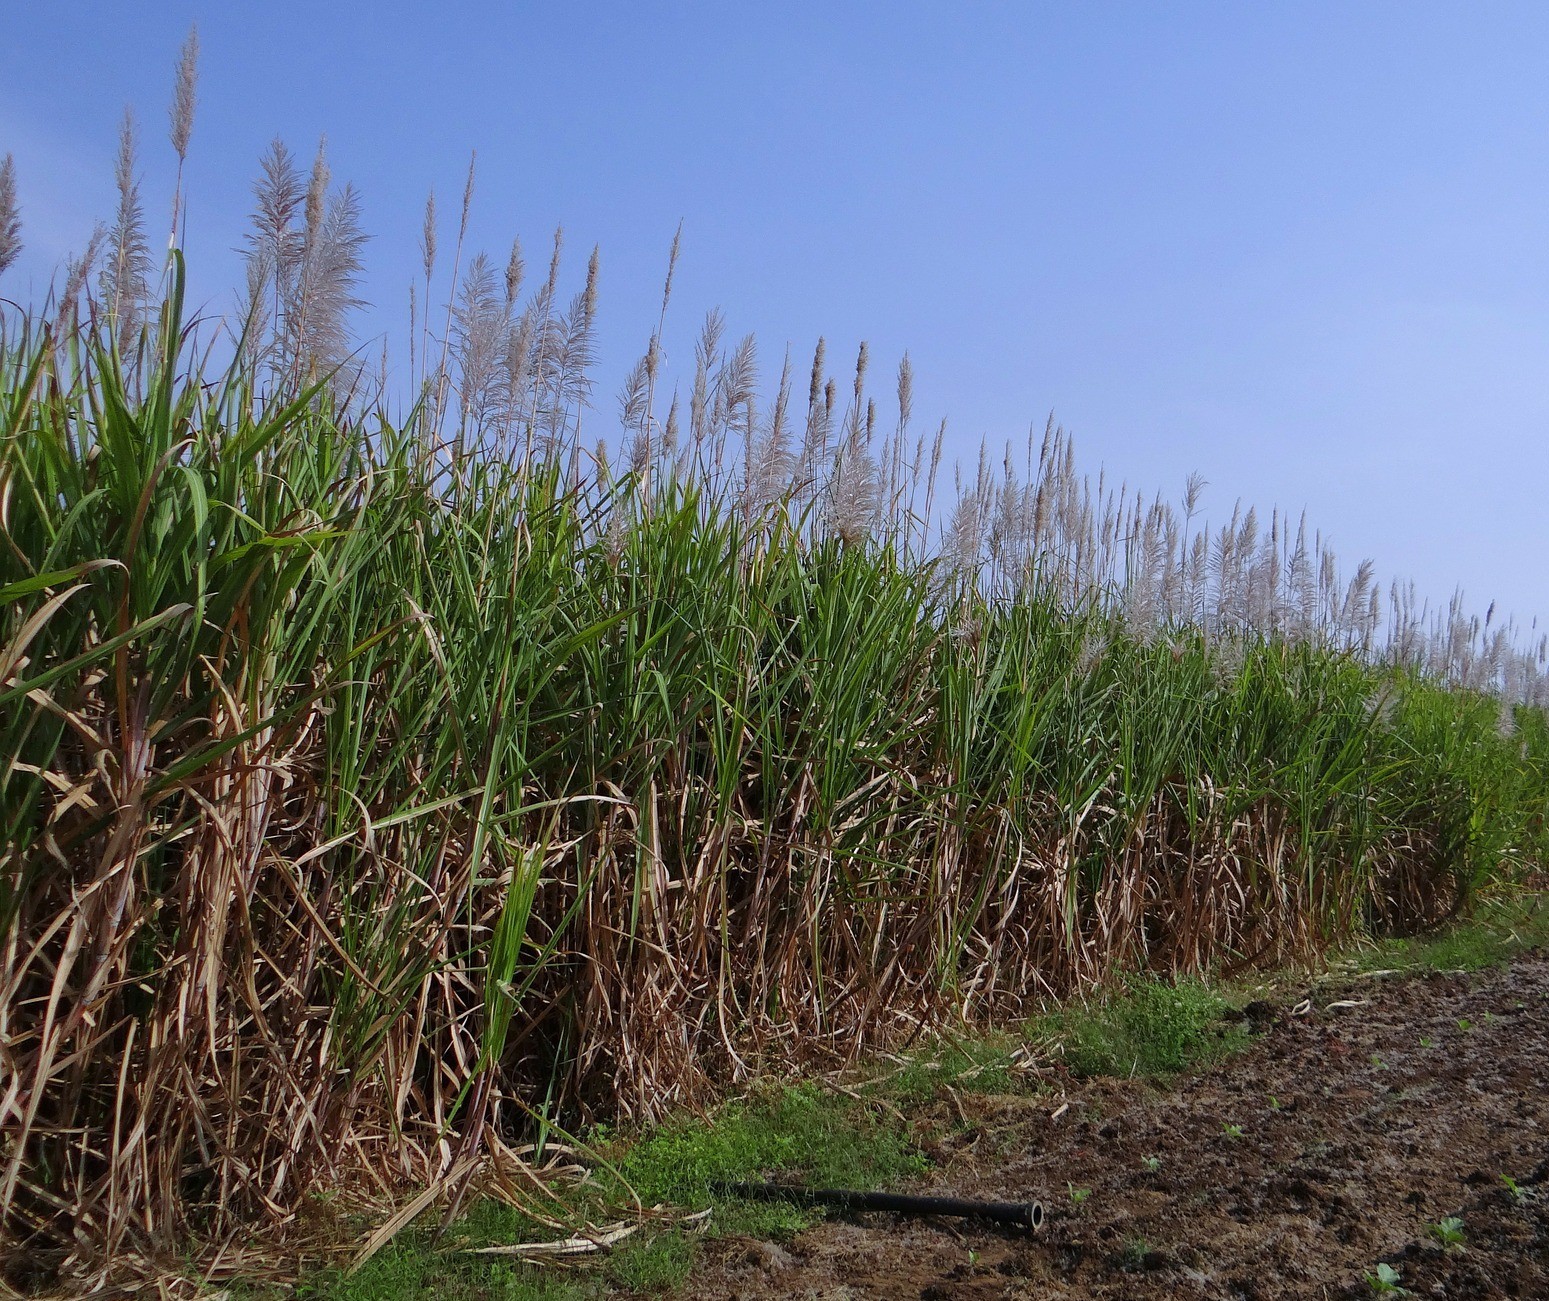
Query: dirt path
{"x": 1360, "y": 1126}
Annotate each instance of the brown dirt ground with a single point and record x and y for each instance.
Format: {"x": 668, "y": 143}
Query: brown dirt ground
{"x": 1356, "y": 1137}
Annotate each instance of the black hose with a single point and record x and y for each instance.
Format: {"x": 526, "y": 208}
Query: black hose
{"x": 1027, "y": 1215}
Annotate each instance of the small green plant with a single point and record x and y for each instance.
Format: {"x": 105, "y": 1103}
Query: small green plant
{"x": 1151, "y": 1164}
{"x": 1384, "y": 1281}
{"x": 1274, "y": 1103}
{"x": 1077, "y": 1195}
{"x": 1232, "y": 1132}
{"x": 1379, "y": 1063}
{"x": 1448, "y": 1232}
{"x": 1426, "y": 1042}
{"x": 1464, "y": 1024}
{"x": 1518, "y": 1193}
{"x": 1132, "y": 1255}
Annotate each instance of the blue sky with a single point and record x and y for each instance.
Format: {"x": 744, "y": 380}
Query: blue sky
{"x": 1302, "y": 248}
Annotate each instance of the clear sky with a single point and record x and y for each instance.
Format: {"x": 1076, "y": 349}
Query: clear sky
{"x": 1302, "y": 248}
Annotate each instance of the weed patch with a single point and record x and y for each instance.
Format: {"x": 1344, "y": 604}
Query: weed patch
{"x": 1497, "y": 931}
{"x": 1150, "y": 1028}
{"x": 830, "y": 1140}
{"x": 658, "y": 1263}
{"x": 981, "y": 1064}
{"x": 409, "y": 1270}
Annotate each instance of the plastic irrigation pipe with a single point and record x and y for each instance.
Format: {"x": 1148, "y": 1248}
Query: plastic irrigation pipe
{"x": 1026, "y": 1215}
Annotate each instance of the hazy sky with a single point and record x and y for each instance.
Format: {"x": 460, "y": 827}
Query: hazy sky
{"x": 1302, "y": 248}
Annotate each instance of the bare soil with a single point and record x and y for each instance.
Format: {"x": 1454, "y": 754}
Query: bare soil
{"x": 1374, "y": 1111}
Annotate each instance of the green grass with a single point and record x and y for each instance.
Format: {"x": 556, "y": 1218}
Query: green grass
{"x": 802, "y": 1132}
{"x": 408, "y": 1270}
{"x": 1146, "y": 1028}
{"x": 1500, "y": 929}
{"x": 418, "y": 1266}
{"x": 1151, "y": 1027}
{"x": 654, "y": 1264}
{"x": 982, "y": 1062}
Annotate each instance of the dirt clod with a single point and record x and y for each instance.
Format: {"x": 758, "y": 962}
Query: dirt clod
{"x": 770, "y": 1257}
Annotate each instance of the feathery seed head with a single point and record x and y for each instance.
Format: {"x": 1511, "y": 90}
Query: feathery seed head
{"x": 770, "y": 457}
{"x": 552, "y": 284}
{"x": 777, "y": 419}
{"x": 1380, "y": 706}
{"x": 183, "y": 95}
{"x": 428, "y": 238}
{"x": 617, "y": 537}
{"x": 936, "y": 446}
{"x": 326, "y": 280}
{"x": 590, "y": 299}
{"x": 633, "y": 396}
{"x": 518, "y": 363}
{"x": 480, "y": 331}
{"x": 10, "y": 215}
{"x": 123, "y": 164}
{"x": 639, "y": 455}
{"x": 78, "y": 270}
{"x": 708, "y": 350}
{"x": 1193, "y": 486}
{"x": 317, "y": 192}
{"x": 967, "y": 627}
{"x": 670, "y": 433}
{"x": 739, "y": 380}
{"x": 462, "y": 228}
{"x": 672, "y": 266}
{"x": 1094, "y": 646}
{"x": 124, "y": 283}
{"x": 515, "y": 269}
{"x": 1227, "y": 660}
